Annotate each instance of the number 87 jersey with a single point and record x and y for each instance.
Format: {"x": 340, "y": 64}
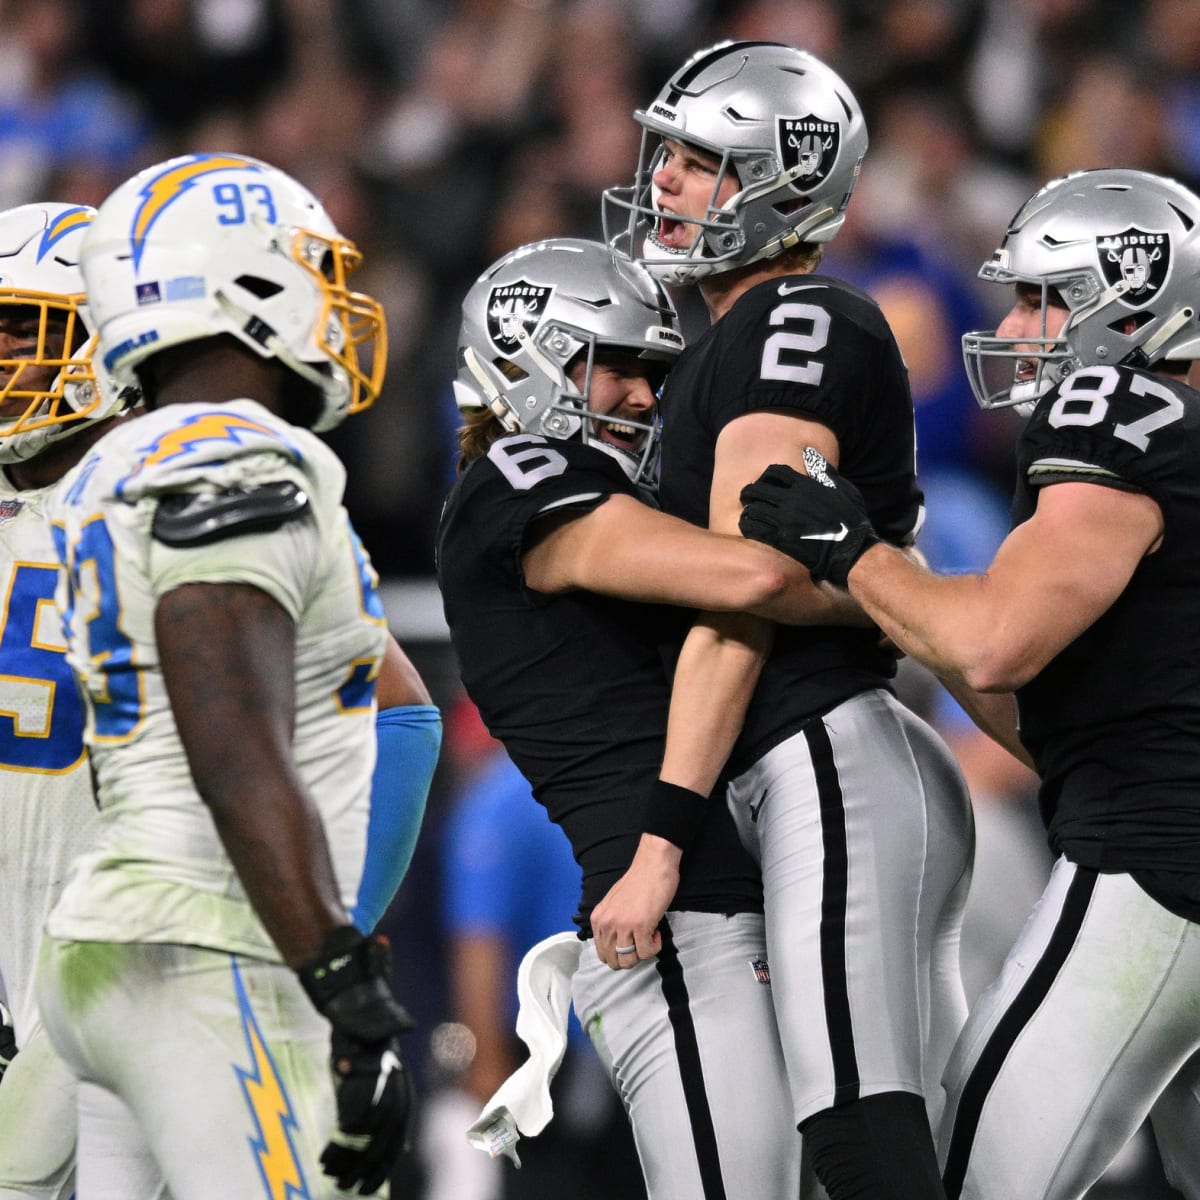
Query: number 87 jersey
{"x": 1136, "y": 672}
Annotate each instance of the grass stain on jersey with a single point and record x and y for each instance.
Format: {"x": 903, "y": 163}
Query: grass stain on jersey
{"x": 87, "y": 971}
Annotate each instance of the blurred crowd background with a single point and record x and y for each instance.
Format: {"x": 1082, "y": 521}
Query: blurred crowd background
{"x": 441, "y": 134}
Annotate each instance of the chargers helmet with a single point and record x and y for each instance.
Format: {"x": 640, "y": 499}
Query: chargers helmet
{"x": 209, "y": 244}
{"x": 529, "y": 316}
{"x": 49, "y": 384}
{"x": 1121, "y": 250}
{"x": 782, "y": 122}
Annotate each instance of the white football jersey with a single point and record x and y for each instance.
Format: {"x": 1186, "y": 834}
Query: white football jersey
{"x": 47, "y": 812}
{"x": 158, "y": 872}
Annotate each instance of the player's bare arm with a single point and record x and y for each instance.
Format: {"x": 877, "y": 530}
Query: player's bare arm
{"x": 625, "y": 548}
{"x": 723, "y": 653}
{"x": 717, "y": 671}
{"x": 227, "y": 652}
{"x": 399, "y": 683}
{"x": 1051, "y": 579}
{"x": 995, "y": 713}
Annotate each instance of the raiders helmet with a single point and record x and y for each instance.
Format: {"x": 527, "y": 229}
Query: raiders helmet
{"x": 531, "y": 314}
{"x": 209, "y": 244}
{"x": 50, "y": 386}
{"x": 1120, "y": 249}
{"x": 782, "y": 122}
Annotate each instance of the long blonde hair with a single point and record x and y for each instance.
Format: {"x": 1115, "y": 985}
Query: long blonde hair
{"x": 480, "y": 428}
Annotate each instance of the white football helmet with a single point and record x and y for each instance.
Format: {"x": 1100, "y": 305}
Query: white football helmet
{"x": 210, "y": 244}
{"x": 49, "y": 385}
{"x": 782, "y": 122}
{"x": 532, "y": 313}
{"x": 1121, "y": 250}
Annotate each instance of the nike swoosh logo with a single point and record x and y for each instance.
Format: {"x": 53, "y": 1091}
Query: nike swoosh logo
{"x": 388, "y": 1062}
{"x": 837, "y": 536}
{"x": 786, "y": 289}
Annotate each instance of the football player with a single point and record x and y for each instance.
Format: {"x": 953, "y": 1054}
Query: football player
{"x": 853, "y": 807}
{"x": 55, "y": 401}
{"x": 1088, "y": 613}
{"x": 555, "y": 571}
{"x": 224, "y": 624}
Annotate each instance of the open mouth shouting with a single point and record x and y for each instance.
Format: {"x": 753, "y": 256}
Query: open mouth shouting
{"x": 672, "y": 235}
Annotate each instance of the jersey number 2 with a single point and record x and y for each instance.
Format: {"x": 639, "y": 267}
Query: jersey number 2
{"x": 805, "y": 332}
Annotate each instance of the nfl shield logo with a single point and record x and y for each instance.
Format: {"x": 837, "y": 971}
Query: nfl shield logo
{"x": 9, "y": 509}
{"x": 1142, "y": 259}
{"x": 762, "y": 972}
{"x": 513, "y": 307}
{"x": 810, "y": 144}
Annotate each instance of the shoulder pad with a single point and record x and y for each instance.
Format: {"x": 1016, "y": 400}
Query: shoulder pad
{"x": 193, "y": 519}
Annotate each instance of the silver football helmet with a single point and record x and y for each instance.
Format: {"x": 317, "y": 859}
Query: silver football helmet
{"x": 1120, "y": 249}
{"x": 210, "y": 244}
{"x": 782, "y": 122}
{"x": 49, "y": 384}
{"x": 531, "y": 314}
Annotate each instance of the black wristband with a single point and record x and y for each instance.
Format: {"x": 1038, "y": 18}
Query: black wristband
{"x": 349, "y": 984}
{"x": 674, "y": 813}
{"x": 345, "y": 958}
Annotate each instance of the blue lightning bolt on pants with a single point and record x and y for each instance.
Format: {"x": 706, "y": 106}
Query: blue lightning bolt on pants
{"x": 201, "y": 1074}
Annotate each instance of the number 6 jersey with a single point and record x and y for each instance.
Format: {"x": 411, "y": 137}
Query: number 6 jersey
{"x": 572, "y": 684}
{"x": 1113, "y": 721}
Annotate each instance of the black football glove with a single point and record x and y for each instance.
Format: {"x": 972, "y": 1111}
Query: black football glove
{"x": 349, "y": 983}
{"x": 8, "y": 1040}
{"x": 819, "y": 519}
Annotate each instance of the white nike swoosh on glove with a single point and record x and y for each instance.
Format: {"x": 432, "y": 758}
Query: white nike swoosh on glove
{"x": 388, "y": 1062}
{"x": 837, "y": 536}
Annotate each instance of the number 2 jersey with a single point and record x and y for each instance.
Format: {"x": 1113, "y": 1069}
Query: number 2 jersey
{"x": 572, "y": 684}
{"x": 1113, "y": 721}
{"x": 158, "y": 871}
{"x": 820, "y": 348}
{"x": 47, "y": 810}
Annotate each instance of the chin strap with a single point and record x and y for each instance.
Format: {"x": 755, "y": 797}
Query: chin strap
{"x": 1143, "y": 356}
{"x": 257, "y": 330}
{"x": 495, "y": 402}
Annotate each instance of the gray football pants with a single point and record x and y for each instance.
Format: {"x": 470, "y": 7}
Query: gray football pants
{"x": 690, "y": 1043}
{"x": 1092, "y": 1025}
{"x": 862, "y": 826}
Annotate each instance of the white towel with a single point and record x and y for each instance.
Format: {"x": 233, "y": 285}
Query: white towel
{"x": 522, "y": 1103}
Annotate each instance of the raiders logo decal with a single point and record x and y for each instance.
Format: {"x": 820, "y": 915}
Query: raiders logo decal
{"x": 1142, "y": 259}
{"x": 513, "y": 307}
{"x": 810, "y": 144}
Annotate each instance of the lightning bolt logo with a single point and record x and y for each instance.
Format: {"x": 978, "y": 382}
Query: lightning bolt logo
{"x": 208, "y": 427}
{"x": 165, "y": 188}
{"x": 282, "y": 1175}
{"x": 64, "y": 223}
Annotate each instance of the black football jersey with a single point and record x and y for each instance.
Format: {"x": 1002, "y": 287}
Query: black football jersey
{"x": 574, "y": 684}
{"x": 1113, "y": 722}
{"x": 820, "y": 347}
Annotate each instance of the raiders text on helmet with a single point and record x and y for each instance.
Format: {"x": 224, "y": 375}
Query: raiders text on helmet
{"x": 50, "y": 386}
{"x": 533, "y": 313}
{"x": 1121, "y": 250}
{"x": 210, "y": 244}
{"x": 782, "y": 122}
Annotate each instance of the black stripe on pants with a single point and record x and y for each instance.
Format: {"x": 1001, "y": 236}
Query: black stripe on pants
{"x": 687, "y": 1052}
{"x": 1020, "y": 1013}
{"x": 834, "y": 885}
